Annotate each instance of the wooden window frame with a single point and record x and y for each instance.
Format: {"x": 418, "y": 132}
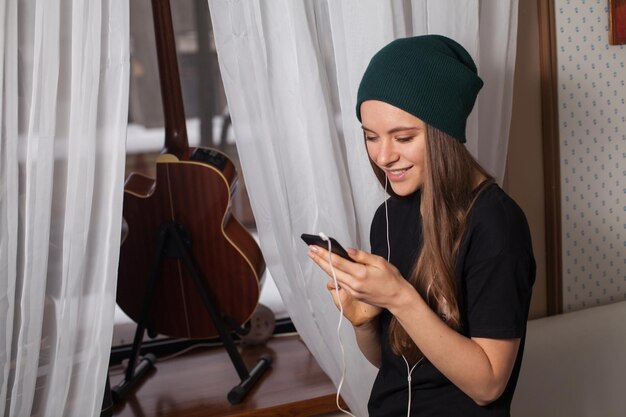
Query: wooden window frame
{"x": 551, "y": 155}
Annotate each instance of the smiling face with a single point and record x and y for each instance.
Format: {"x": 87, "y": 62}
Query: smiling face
{"x": 396, "y": 143}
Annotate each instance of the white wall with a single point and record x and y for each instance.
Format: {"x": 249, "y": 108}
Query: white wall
{"x": 592, "y": 124}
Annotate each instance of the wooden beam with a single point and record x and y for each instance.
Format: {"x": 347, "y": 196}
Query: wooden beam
{"x": 551, "y": 155}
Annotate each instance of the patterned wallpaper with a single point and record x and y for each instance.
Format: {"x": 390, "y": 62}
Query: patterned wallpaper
{"x": 591, "y": 93}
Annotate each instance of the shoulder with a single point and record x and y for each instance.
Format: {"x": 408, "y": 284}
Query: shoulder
{"x": 496, "y": 223}
{"x": 494, "y": 206}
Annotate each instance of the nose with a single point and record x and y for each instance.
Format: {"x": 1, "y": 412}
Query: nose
{"x": 387, "y": 154}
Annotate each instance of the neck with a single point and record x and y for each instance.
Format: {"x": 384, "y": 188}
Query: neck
{"x": 478, "y": 178}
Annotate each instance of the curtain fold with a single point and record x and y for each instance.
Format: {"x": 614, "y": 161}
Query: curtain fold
{"x": 64, "y": 83}
{"x": 291, "y": 71}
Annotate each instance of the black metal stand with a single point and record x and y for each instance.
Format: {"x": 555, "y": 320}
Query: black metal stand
{"x": 173, "y": 240}
{"x": 107, "y": 400}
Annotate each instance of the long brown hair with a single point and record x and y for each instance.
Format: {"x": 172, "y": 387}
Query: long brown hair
{"x": 447, "y": 196}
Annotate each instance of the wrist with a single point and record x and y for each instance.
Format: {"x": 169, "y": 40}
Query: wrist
{"x": 407, "y": 299}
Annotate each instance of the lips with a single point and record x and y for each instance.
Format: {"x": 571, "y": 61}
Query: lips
{"x": 396, "y": 174}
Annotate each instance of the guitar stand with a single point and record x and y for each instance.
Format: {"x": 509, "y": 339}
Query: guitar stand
{"x": 173, "y": 240}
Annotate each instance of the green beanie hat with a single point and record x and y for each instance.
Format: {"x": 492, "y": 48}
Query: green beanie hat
{"x": 431, "y": 77}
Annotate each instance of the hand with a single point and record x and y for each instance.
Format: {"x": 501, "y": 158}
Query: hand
{"x": 370, "y": 280}
{"x": 357, "y": 312}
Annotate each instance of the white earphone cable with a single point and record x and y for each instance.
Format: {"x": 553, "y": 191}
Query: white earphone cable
{"x": 408, "y": 378}
{"x": 343, "y": 353}
{"x": 409, "y": 371}
{"x": 387, "y": 221}
{"x": 343, "y": 356}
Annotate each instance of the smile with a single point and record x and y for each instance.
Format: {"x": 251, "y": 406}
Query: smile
{"x": 396, "y": 174}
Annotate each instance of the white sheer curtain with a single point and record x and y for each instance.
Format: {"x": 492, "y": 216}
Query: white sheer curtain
{"x": 291, "y": 71}
{"x": 63, "y": 112}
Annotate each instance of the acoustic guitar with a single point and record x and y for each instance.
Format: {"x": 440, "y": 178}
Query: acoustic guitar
{"x": 193, "y": 189}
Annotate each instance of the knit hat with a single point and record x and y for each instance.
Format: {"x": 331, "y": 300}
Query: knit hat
{"x": 431, "y": 77}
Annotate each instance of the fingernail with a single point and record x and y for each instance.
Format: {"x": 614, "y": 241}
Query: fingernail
{"x": 313, "y": 248}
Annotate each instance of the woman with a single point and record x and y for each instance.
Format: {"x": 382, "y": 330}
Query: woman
{"x": 440, "y": 305}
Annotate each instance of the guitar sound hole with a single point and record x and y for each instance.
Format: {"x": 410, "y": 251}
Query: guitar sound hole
{"x": 211, "y": 157}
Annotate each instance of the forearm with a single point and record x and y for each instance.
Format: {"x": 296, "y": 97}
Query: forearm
{"x": 368, "y": 340}
{"x": 481, "y": 374}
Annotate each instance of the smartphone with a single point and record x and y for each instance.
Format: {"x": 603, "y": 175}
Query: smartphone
{"x": 336, "y": 248}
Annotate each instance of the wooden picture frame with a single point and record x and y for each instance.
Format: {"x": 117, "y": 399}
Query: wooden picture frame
{"x": 617, "y": 22}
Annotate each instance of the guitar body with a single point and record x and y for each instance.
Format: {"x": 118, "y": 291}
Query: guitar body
{"x": 194, "y": 192}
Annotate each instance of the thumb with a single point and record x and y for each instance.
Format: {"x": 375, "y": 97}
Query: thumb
{"x": 358, "y": 255}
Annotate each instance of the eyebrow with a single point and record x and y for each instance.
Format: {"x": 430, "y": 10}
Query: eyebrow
{"x": 395, "y": 129}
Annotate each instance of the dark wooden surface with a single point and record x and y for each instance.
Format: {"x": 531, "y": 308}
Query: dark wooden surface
{"x": 196, "y": 384}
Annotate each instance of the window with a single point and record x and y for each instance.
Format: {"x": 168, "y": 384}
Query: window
{"x": 208, "y": 121}
{"x": 206, "y": 112}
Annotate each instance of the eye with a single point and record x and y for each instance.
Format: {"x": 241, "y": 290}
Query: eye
{"x": 370, "y": 138}
{"x": 403, "y": 139}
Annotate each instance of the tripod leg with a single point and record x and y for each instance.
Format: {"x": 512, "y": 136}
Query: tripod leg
{"x": 247, "y": 378}
{"x": 236, "y": 395}
{"x": 135, "y": 372}
{"x": 107, "y": 400}
{"x": 119, "y": 391}
{"x": 217, "y": 321}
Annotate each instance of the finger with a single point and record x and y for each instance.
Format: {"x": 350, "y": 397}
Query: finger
{"x": 363, "y": 257}
{"x": 339, "y": 294}
{"x": 321, "y": 257}
{"x": 330, "y": 286}
{"x": 346, "y": 280}
{"x": 335, "y": 291}
{"x": 315, "y": 254}
{"x": 339, "y": 263}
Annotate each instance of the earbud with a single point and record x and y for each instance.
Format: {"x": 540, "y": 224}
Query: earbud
{"x": 323, "y": 236}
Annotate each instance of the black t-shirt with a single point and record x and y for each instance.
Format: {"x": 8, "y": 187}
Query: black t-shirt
{"x": 495, "y": 271}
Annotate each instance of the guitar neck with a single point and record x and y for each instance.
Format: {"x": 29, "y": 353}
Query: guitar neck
{"x": 175, "y": 126}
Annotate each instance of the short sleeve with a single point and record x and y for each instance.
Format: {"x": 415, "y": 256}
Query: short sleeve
{"x": 498, "y": 295}
{"x": 498, "y": 269}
